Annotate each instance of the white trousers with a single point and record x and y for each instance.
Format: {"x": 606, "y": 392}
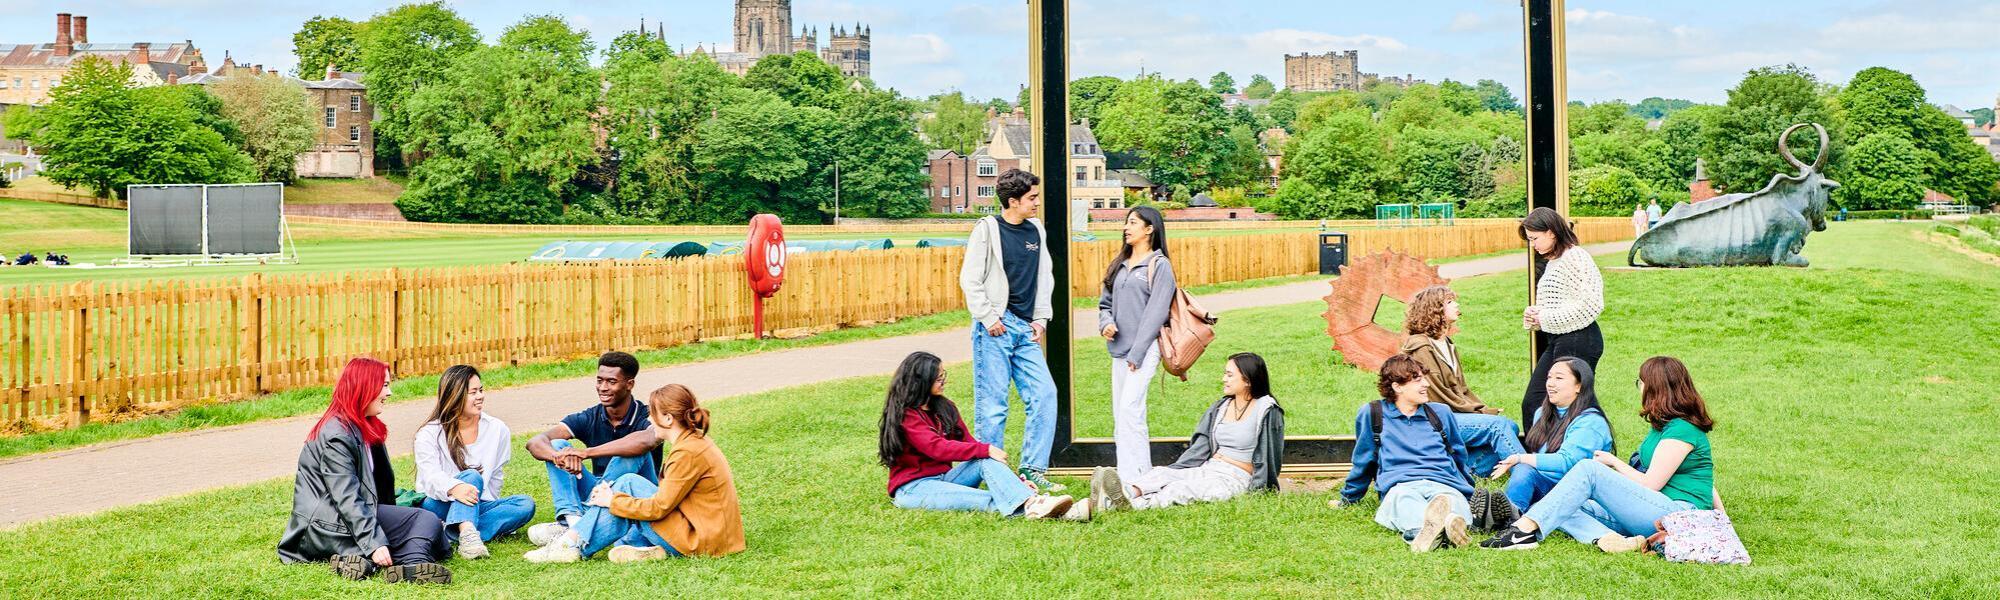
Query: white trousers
{"x": 1213, "y": 481}
{"x": 1128, "y": 414}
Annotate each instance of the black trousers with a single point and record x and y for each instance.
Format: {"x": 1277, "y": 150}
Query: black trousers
{"x": 1586, "y": 343}
{"x": 415, "y": 535}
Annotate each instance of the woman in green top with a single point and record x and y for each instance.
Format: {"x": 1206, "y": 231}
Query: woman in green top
{"x": 1614, "y": 505}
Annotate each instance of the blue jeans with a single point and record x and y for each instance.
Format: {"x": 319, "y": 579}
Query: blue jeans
{"x": 1403, "y": 506}
{"x": 494, "y": 518}
{"x": 567, "y": 491}
{"x": 1593, "y": 501}
{"x": 1488, "y": 438}
{"x": 958, "y": 489}
{"x": 1013, "y": 355}
{"x": 1526, "y": 486}
{"x": 599, "y": 529}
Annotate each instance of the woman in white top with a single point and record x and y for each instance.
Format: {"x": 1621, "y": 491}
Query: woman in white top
{"x": 462, "y": 455}
{"x": 1138, "y": 291}
{"x": 1238, "y": 446}
{"x": 1569, "y": 295}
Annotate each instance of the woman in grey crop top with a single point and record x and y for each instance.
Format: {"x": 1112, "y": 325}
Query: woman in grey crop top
{"x": 1236, "y": 447}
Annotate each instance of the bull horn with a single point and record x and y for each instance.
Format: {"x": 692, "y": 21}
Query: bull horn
{"x": 1785, "y": 149}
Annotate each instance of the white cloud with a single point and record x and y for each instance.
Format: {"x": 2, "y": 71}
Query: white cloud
{"x": 1917, "y": 31}
{"x": 912, "y": 50}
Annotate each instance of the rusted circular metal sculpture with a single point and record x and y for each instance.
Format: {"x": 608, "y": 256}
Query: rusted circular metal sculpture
{"x": 1358, "y": 293}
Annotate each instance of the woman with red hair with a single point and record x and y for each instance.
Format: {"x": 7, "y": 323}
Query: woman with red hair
{"x": 338, "y": 514}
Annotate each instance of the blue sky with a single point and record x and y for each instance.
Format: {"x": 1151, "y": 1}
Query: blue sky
{"x": 1624, "y": 49}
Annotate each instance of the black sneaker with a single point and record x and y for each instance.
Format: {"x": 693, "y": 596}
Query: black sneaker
{"x": 417, "y": 573}
{"x": 1514, "y": 538}
{"x": 353, "y": 567}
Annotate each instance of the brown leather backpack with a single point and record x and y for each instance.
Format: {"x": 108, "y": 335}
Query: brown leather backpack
{"x": 1188, "y": 331}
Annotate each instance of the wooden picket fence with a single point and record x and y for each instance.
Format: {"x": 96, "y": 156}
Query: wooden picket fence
{"x": 68, "y": 352}
{"x": 75, "y": 199}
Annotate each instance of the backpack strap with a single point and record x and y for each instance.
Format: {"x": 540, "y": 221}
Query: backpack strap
{"x": 1375, "y": 423}
{"x": 1436, "y": 425}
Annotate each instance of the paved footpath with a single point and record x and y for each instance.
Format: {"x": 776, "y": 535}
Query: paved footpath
{"x": 90, "y": 479}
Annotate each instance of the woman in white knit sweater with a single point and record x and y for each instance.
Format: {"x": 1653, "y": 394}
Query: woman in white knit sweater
{"x": 1569, "y": 294}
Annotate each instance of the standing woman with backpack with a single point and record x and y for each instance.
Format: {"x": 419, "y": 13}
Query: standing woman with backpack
{"x": 1569, "y": 295}
{"x": 1138, "y": 291}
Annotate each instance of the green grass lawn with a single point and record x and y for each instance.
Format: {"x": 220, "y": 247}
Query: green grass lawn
{"x": 1854, "y": 405}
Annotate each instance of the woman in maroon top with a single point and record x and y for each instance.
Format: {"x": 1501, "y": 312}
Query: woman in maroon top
{"x": 922, "y": 435}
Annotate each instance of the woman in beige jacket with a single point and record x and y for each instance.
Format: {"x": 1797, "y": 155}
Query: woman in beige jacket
{"x": 1430, "y": 321}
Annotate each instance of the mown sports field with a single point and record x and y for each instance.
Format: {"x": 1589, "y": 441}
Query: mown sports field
{"x": 1854, "y": 403}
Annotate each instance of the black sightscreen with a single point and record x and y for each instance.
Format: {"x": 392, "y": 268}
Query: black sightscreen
{"x": 164, "y": 220}
{"x": 245, "y": 219}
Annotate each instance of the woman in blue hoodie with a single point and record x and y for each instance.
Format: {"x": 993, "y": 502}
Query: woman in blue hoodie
{"x": 1568, "y": 430}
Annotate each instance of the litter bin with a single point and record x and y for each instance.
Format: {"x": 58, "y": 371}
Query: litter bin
{"x": 1332, "y": 252}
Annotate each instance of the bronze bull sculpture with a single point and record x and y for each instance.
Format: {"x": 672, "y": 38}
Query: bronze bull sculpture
{"x": 1765, "y": 227}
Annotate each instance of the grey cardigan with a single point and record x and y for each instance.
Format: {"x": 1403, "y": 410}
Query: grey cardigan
{"x": 984, "y": 280}
{"x": 1137, "y": 301}
{"x": 1270, "y": 453}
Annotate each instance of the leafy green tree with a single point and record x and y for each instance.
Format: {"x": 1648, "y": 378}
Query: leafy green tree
{"x": 1658, "y": 108}
{"x": 1325, "y": 106}
{"x": 1284, "y": 108}
{"x": 1422, "y": 105}
{"x": 98, "y": 134}
{"x": 506, "y": 130}
{"x": 1380, "y": 95}
{"x": 1460, "y": 98}
{"x": 1606, "y": 191}
{"x": 1336, "y": 170}
{"x": 1178, "y": 129}
{"x": 1244, "y": 165}
{"x": 1888, "y": 173}
{"x": 1260, "y": 87}
{"x": 1087, "y": 96}
{"x": 762, "y": 155}
{"x": 1495, "y": 97}
{"x": 955, "y": 125}
{"x": 1740, "y": 138}
{"x": 1604, "y": 117}
{"x": 402, "y": 50}
{"x": 1433, "y": 166}
{"x": 1222, "y": 83}
{"x": 323, "y": 41}
{"x": 276, "y": 118}
{"x": 881, "y": 159}
{"x": 1981, "y": 116}
{"x": 800, "y": 78}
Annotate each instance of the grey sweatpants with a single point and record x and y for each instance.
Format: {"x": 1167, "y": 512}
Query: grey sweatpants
{"x": 1213, "y": 481}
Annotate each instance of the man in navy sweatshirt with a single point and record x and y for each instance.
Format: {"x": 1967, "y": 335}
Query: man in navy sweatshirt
{"x": 1415, "y": 460}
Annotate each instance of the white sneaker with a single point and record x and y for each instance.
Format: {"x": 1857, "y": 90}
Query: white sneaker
{"x": 1045, "y": 506}
{"x": 632, "y": 554}
{"x": 1431, "y": 535}
{"x": 1614, "y": 543}
{"x": 470, "y": 545}
{"x": 1454, "y": 531}
{"x": 554, "y": 553}
{"x": 1079, "y": 511}
{"x": 541, "y": 535}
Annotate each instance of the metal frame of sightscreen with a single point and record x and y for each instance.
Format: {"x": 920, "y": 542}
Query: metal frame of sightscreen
{"x": 287, "y": 250}
{"x": 1546, "y": 102}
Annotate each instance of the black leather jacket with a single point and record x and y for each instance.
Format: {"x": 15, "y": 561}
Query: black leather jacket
{"x": 339, "y": 482}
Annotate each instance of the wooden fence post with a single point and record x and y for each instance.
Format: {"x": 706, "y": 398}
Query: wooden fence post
{"x": 250, "y": 335}
{"x": 78, "y": 352}
{"x": 395, "y": 320}
{"x": 510, "y": 314}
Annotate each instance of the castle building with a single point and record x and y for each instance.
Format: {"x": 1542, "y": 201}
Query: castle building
{"x": 1334, "y": 71}
{"x": 764, "y": 28}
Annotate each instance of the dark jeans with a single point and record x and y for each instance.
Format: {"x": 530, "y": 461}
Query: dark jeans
{"x": 1586, "y": 343}
{"x": 414, "y": 534}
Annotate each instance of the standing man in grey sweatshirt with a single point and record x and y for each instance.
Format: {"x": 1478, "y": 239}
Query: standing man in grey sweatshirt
{"x": 1007, "y": 278}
